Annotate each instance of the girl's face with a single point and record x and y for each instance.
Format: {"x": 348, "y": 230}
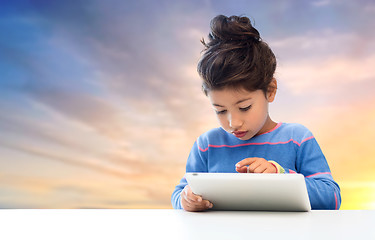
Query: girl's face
{"x": 242, "y": 113}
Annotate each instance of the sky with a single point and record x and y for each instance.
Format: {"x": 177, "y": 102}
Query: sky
{"x": 101, "y": 103}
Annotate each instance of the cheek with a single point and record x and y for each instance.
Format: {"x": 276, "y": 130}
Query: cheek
{"x": 257, "y": 116}
{"x": 223, "y": 121}
{"x": 262, "y": 114}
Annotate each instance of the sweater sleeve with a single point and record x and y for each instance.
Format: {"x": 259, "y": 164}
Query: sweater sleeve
{"x": 197, "y": 162}
{"x": 323, "y": 191}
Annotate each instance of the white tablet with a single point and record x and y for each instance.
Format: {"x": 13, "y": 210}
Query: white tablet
{"x": 251, "y": 191}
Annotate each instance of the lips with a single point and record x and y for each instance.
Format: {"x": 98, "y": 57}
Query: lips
{"x": 239, "y": 134}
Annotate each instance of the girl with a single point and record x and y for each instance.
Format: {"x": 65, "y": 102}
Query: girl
{"x": 237, "y": 69}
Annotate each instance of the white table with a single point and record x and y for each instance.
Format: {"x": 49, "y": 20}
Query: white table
{"x": 178, "y": 224}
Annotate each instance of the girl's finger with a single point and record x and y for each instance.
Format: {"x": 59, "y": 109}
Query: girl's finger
{"x": 254, "y": 166}
{"x": 208, "y": 204}
{"x": 204, "y": 205}
{"x": 187, "y": 194}
{"x": 192, "y": 197}
{"x": 270, "y": 170}
{"x": 246, "y": 161}
{"x": 242, "y": 169}
{"x": 260, "y": 169}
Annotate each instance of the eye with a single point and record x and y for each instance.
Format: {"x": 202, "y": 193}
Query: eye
{"x": 245, "y": 108}
{"x": 221, "y": 112}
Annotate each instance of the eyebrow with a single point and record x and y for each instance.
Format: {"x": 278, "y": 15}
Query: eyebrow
{"x": 240, "y": 101}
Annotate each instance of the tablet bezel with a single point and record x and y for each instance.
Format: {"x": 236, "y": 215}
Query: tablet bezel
{"x": 251, "y": 191}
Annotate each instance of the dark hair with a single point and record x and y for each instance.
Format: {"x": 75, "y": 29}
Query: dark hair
{"x": 235, "y": 56}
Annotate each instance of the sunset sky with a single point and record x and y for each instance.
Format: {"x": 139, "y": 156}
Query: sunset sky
{"x": 100, "y": 100}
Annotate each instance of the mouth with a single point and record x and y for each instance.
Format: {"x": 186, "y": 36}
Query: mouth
{"x": 239, "y": 134}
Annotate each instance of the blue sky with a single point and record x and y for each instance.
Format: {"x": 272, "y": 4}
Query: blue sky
{"x": 107, "y": 91}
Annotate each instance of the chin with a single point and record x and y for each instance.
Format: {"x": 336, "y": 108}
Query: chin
{"x": 245, "y": 138}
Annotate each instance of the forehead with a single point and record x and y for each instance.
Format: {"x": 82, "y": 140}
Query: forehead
{"x": 232, "y": 96}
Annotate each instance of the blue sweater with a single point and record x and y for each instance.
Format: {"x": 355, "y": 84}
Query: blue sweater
{"x": 290, "y": 145}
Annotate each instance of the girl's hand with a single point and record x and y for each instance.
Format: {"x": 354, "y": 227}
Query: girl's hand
{"x": 193, "y": 203}
{"x": 255, "y": 165}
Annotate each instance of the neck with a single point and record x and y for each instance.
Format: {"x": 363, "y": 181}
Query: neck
{"x": 268, "y": 125}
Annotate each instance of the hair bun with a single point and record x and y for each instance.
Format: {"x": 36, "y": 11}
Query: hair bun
{"x": 233, "y": 29}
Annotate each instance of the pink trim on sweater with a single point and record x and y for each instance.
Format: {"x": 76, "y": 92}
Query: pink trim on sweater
{"x": 319, "y": 173}
{"x": 248, "y": 144}
{"x": 273, "y": 129}
{"x": 304, "y": 140}
{"x": 202, "y": 150}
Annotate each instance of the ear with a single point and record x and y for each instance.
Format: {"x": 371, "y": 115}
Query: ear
{"x": 272, "y": 89}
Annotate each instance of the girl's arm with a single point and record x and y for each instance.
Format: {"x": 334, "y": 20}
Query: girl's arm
{"x": 196, "y": 163}
{"x": 176, "y": 195}
{"x": 324, "y": 192}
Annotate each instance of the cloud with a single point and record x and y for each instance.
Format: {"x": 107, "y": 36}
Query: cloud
{"x": 321, "y": 3}
{"x": 49, "y": 155}
{"x": 97, "y": 191}
{"x": 329, "y": 75}
{"x": 326, "y": 61}
{"x": 105, "y": 77}
{"x": 323, "y": 43}
{"x": 79, "y": 106}
{"x": 38, "y": 124}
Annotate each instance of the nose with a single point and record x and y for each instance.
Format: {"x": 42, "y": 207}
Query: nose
{"x": 235, "y": 121}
